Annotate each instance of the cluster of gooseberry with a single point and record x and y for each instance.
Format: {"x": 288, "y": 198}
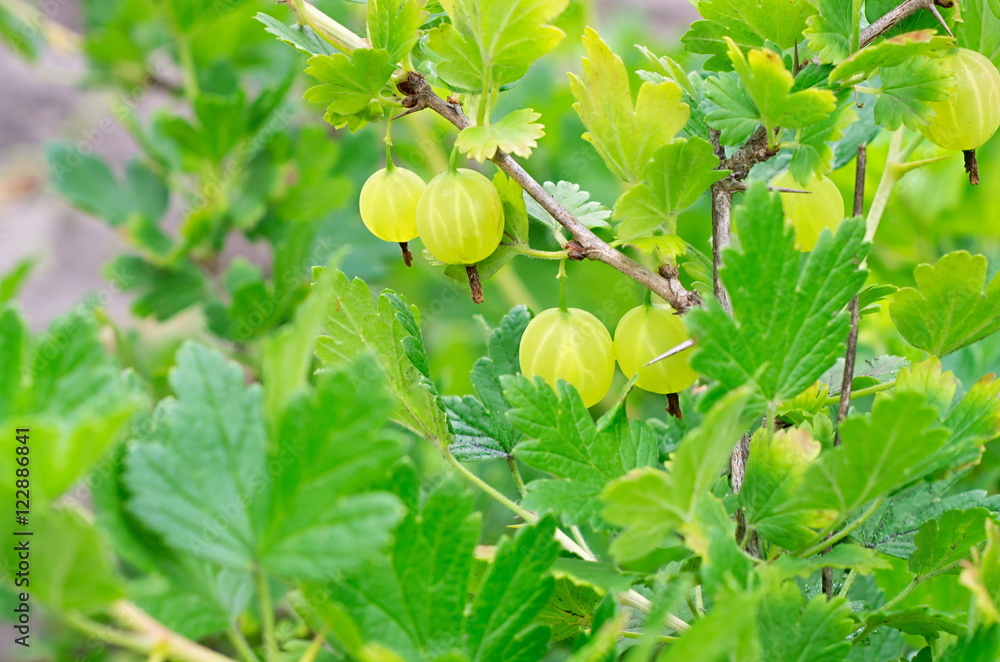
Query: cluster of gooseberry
{"x": 458, "y": 215}
{"x": 460, "y": 218}
{"x": 963, "y": 121}
{"x": 573, "y": 345}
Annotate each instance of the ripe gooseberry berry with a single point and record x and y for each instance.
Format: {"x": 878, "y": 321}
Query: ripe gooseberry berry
{"x": 646, "y": 332}
{"x": 571, "y": 345}
{"x": 822, "y": 207}
{"x": 460, "y": 217}
{"x": 970, "y": 115}
{"x": 388, "y": 205}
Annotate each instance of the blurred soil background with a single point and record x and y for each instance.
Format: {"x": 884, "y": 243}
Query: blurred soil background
{"x": 39, "y": 103}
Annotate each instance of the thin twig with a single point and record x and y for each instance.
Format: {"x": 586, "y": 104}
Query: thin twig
{"x": 419, "y": 95}
{"x": 897, "y": 15}
{"x": 850, "y": 356}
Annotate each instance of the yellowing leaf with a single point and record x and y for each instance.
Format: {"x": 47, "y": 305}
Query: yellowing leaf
{"x": 982, "y": 576}
{"x": 625, "y": 134}
{"x": 516, "y": 133}
{"x": 949, "y": 309}
{"x": 892, "y": 53}
{"x": 769, "y": 85}
{"x": 668, "y": 245}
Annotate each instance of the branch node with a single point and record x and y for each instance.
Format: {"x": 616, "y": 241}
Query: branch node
{"x": 574, "y": 251}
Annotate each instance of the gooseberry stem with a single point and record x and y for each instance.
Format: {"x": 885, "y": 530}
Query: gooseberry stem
{"x": 407, "y": 255}
{"x": 561, "y": 276}
{"x": 475, "y": 285}
{"x": 390, "y": 166}
{"x": 453, "y": 160}
{"x": 528, "y": 251}
{"x": 972, "y": 166}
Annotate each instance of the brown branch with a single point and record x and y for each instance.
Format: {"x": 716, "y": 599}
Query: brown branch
{"x": 895, "y": 16}
{"x": 852, "y": 337}
{"x": 419, "y": 95}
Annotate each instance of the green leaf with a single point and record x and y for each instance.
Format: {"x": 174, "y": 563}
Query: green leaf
{"x": 163, "y": 291}
{"x": 350, "y": 86}
{"x": 570, "y": 610}
{"x": 603, "y": 578}
{"x": 68, "y": 392}
{"x": 749, "y": 24}
{"x": 802, "y": 320}
{"x": 492, "y": 43}
{"x": 774, "y": 474}
{"x": 578, "y": 203}
{"x": 949, "y": 309}
{"x": 907, "y": 89}
{"x": 357, "y": 323}
{"x": 790, "y": 632}
{"x": 711, "y": 534}
{"x": 184, "y": 485}
{"x": 413, "y": 600}
{"x": 728, "y": 630}
{"x": 813, "y": 152}
{"x": 14, "y": 279}
{"x": 974, "y": 421}
{"x": 842, "y": 557}
{"x": 983, "y": 645}
{"x": 891, "y": 53}
{"x": 515, "y": 588}
{"x": 326, "y": 512}
{"x": 920, "y": 621}
{"x": 768, "y": 85}
{"x": 893, "y": 527}
{"x": 943, "y": 542}
{"x": 416, "y": 603}
{"x": 982, "y": 577}
{"x": 676, "y": 177}
{"x": 482, "y": 431}
{"x": 213, "y": 496}
{"x": 626, "y": 135}
{"x": 830, "y": 31}
{"x": 394, "y": 25}
{"x": 74, "y": 571}
{"x": 562, "y": 439}
{"x": 302, "y": 37}
{"x": 649, "y": 503}
{"x": 928, "y": 380}
{"x": 731, "y": 110}
{"x": 287, "y": 355}
{"x": 516, "y": 134}
{"x": 87, "y": 182}
{"x": 979, "y": 29}
{"x": 879, "y": 452}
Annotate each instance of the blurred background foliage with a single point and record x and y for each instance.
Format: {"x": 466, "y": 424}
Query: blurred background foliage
{"x": 236, "y": 187}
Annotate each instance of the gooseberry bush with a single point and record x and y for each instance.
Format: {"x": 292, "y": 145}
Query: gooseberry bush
{"x": 780, "y": 453}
